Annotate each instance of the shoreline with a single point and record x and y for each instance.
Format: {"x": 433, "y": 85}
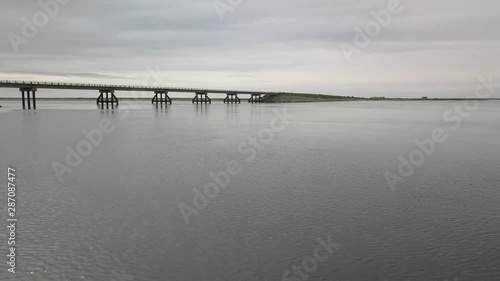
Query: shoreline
{"x": 283, "y": 98}
{"x": 296, "y": 98}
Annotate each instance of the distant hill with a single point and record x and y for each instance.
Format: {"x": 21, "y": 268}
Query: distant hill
{"x": 300, "y": 97}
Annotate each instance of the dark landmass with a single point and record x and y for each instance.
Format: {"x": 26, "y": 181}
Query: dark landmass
{"x": 291, "y": 98}
{"x": 426, "y": 99}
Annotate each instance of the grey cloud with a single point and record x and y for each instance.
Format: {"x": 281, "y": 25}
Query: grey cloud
{"x": 99, "y": 40}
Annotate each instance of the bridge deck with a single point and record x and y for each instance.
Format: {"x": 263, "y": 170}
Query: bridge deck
{"x": 76, "y": 86}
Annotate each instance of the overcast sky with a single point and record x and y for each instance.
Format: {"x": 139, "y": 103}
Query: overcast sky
{"x": 430, "y": 48}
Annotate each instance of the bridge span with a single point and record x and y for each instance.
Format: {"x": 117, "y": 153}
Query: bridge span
{"x": 108, "y": 98}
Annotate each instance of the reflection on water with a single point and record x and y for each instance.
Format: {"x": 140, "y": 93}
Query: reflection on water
{"x": 117, "y": 212}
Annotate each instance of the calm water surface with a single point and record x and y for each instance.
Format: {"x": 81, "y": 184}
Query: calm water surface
{"x": 116, "y": 215}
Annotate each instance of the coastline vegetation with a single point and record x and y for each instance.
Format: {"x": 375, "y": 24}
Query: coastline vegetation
{"x": 301, "y": 97}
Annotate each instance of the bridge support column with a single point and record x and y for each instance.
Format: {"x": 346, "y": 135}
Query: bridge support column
{"x": 30, "y": 96}
{"x": 107, "y": 97}
{"x": 232, "y": 98}
{"x": 201, "y": 98}
{"x": 161, "y": 97}
{"x": 256, "y": 98}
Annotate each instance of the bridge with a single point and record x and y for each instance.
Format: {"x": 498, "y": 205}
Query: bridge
{"x": 108, "y": 98}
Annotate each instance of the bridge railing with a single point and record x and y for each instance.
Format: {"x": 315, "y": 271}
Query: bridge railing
{"x": 35, "y": 83}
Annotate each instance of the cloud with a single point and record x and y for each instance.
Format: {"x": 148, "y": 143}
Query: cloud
{"x": 437, "y": 48}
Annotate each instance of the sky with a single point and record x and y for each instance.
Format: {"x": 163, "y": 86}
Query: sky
{"x": 391, "y": 48}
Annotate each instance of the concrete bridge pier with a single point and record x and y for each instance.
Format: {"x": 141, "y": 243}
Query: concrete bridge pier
{"x": 107, "y": 97}
{"x": 29, "y": 98}
{"x": 201, "y": 98}
{"x": 256, "y": 98}
{"x": 161, "y": 97}
{"x": 232, "y": 98}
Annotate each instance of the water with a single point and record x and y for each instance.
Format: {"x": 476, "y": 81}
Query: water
{"x": 116, "y": 215}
